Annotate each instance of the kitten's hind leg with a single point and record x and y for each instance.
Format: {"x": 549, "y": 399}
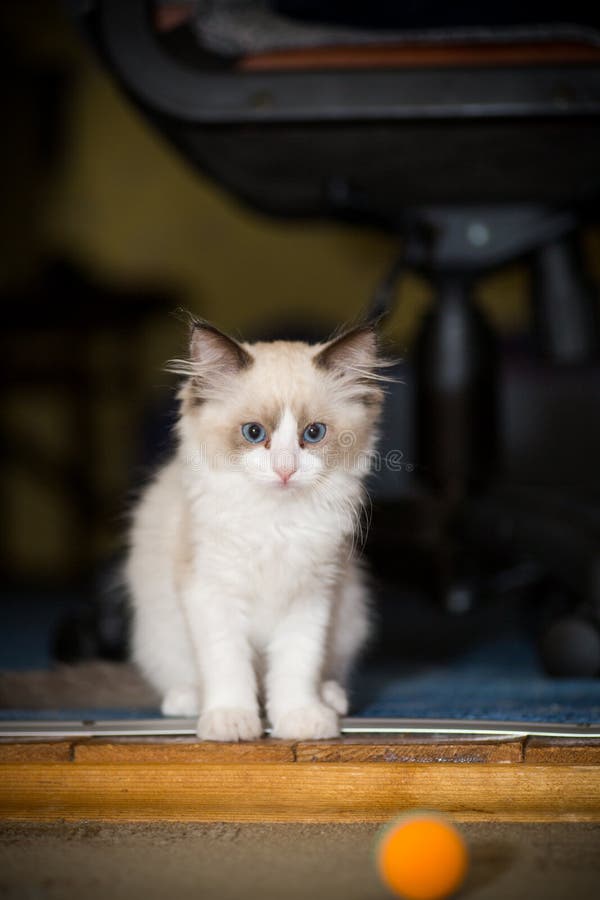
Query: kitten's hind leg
{"x": 334, "y": 695}
{"x": 349, "y": 631}
{"x": 182, "y": 700}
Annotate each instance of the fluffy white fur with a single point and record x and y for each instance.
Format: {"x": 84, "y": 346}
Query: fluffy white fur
{"x": 245, "y": 587}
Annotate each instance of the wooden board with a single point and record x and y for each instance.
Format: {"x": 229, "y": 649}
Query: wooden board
{"x": 347, "y": 780}
{"x": 351, "y": 749}
{"x": 327, "y": 792}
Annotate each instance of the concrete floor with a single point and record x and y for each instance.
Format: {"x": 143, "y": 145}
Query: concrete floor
{"x": 281, "y": 862}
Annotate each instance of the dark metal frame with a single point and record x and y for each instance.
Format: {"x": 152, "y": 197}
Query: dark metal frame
{"x": 236, "y": 97}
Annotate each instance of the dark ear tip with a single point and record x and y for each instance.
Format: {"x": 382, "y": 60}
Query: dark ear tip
{"x": 375, "y": 321}
{"x": 188, "y": 318}
{"x": 228, "y": 346}
{"x": 197, "y": 324}
{"x": 339, "y": 347}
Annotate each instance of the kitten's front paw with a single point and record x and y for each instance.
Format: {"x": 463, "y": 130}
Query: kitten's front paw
{"x": 307, "y": 723}
{"x": 229, "y": 724}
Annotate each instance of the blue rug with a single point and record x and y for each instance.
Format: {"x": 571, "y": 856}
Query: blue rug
{"x": 493, "y": 679}
{"x": 498, "y": 680}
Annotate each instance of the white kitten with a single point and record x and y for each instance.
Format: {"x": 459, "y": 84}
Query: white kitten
{"x": 244, "y": 583}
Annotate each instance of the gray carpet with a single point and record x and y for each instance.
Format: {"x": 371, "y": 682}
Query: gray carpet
{"x": 101, "y": 685}
{"x": 295, "y": 862}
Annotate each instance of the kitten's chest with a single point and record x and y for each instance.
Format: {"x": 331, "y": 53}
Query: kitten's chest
{"x": 273, "y": 557}
{"x": 281, "y": 552}
{"x": 269, "y": 561}
{"x": 269, "y": 550}
{"x": 289, "y": 566}
{"x": 271, "y": 537}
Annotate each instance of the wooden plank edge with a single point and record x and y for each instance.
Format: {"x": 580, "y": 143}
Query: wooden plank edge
{"x": 417, "y": 749}
{"x": 182, "y": 750}
{"x": 562, "y": 751}
{"x": 32, "y": 751}
{"x": 351, "y": 749}
{"x": 327, "y": 792}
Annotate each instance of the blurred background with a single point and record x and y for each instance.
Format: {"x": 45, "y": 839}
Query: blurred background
{"x": 106, "y": 230}
{"x": 97, "y": 205}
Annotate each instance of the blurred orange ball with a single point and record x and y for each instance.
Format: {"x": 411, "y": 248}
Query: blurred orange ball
{"x": 422, "y": 857}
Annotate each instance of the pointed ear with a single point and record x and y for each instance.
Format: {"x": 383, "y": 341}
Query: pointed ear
{"x": 354, "y": 352}
{"x": 212, "y": 352}
{"x": 213, "y": 359}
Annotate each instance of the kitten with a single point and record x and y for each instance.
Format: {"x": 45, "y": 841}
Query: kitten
{"x": 242, "y": 568}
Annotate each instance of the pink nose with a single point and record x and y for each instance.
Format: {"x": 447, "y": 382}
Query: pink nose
{"x": 284, "y": 465}
{"x": 285, "y": 472}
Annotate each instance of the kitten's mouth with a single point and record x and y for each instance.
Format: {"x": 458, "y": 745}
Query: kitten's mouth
{"x": 288, "y": 485}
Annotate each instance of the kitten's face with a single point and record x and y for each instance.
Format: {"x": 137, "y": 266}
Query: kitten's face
{"x": 285, "y": 415}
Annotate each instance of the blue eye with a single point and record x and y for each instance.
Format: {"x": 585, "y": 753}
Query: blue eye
{"x": 314, "y": 433}
{"x": 254, "y": 432}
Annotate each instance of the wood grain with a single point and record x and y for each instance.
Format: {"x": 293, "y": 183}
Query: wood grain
{"x": 328, "y": 792}
{"x": 563, "y": 751}
{"x": 181, "y": 750}
{"x": 378, "y": 749}
{"x": 35, "y": 751}
{"x": 351, "y": 749}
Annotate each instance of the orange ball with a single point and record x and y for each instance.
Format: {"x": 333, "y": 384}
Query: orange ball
{"x": 422, "y": 857}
